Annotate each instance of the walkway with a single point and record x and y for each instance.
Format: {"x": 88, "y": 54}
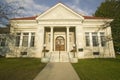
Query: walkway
{"x": 58, "y": 71}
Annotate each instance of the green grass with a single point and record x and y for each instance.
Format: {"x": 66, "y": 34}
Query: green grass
{"x": 20, "y": 68}
{"x": 98, "y": 69}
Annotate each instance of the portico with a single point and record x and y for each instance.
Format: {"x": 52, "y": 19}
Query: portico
{"x": 59, "y": 38}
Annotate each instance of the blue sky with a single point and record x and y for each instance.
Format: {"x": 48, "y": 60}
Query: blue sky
{"x": 34, "y": 7}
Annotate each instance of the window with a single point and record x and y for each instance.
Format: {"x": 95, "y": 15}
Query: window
{"x": 2, "y": 40}
{"x": 18, "y": 39}
{"x": 23, "y": 53}
{"x": 102, "y": 38}
{"x": 96, "y": 53}
{"x": 32, "y": 40}
{"x": 25, "y": 39}
{"x": 87, "y": 37}
{"x": 94, "y": 39}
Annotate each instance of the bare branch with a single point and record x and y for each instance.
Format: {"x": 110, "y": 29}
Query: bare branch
{"x": 8, "y": 11}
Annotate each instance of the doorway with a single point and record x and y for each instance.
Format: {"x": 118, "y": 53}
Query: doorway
{"x": 60, "y": 43}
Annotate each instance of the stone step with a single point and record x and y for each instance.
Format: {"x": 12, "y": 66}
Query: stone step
{"x": 59, "y": 57}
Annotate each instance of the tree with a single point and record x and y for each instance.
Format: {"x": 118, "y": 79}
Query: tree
{"x": 9, "y": 10}
{"x": 110, "y": 9}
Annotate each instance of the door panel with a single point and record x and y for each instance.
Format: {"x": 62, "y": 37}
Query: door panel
{"x": 60, "y": 43}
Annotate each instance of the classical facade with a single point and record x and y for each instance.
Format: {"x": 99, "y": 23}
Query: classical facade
{"x": 60, "y": 34}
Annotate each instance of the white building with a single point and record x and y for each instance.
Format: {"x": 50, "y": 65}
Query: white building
{"x": 62, "y": 30}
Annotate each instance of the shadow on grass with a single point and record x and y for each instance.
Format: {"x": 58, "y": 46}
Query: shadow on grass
{"x": 98, "y": 69}
{"x": 20, "y": 68}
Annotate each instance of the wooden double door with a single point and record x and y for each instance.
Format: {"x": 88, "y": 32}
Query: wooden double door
{"x": 60, "y": 43}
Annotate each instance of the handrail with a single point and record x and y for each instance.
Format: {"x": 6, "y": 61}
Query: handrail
{"x": 50, "y": 56}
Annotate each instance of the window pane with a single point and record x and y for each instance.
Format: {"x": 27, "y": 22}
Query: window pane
{"x": 32, "y": 41}
{"x": 87, "y": 39}
{"x": 0, "y": 40}
{"x": 17, "y": 41}
{"x": 18, "y": 33}
{"x": 32, "y": 34}
{"x": 25, "y": 41}
{"x": 102, "y": 37}
{"x": 95, "y": 39}
{"x": 3, "y": 42}
{"x": 96, "y": 53}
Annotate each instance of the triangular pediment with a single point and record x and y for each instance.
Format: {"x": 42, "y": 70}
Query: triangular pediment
{"x": 59, "y": 11}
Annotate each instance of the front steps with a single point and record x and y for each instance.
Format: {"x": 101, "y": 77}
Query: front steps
{"x": 59, "y": 57}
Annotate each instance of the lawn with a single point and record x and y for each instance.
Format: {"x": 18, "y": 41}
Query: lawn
{"x": 20, "y": 68}
{"x": 98, "y": 69}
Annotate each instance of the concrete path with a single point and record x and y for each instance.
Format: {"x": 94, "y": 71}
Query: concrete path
{"x": 57, "y": 71}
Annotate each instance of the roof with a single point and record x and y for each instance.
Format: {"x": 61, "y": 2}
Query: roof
{"x": 93, "y": 17}
{"x": 34, "y": 17}
{"x": 25, "y": 18}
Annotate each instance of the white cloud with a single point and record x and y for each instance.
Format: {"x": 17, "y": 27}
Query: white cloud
{"x": 89, "y": 11}
{"x": 82, "y": 12}
{"x": 76, "y": 6}
{"x": 31, "y": 8}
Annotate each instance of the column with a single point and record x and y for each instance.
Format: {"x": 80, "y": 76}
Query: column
{"x": 29, "y": 39}
{"x": 99, "y": 40}
{"x": 91, "y": 41}
{"x": 51, "y": 39}
{"x": 39, "y": 40}
{"x": 21, "y": 39}
{"x": 67, "y": 39}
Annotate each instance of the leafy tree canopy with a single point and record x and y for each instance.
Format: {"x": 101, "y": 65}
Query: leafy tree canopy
{"x": 111, "y": 9}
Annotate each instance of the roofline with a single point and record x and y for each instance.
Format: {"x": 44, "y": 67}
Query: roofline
{"x": 94, "y": 17}
{"x": 68, "y": 8}
{"x": 85, "y": 18}
{"x": 25, "y": 18}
